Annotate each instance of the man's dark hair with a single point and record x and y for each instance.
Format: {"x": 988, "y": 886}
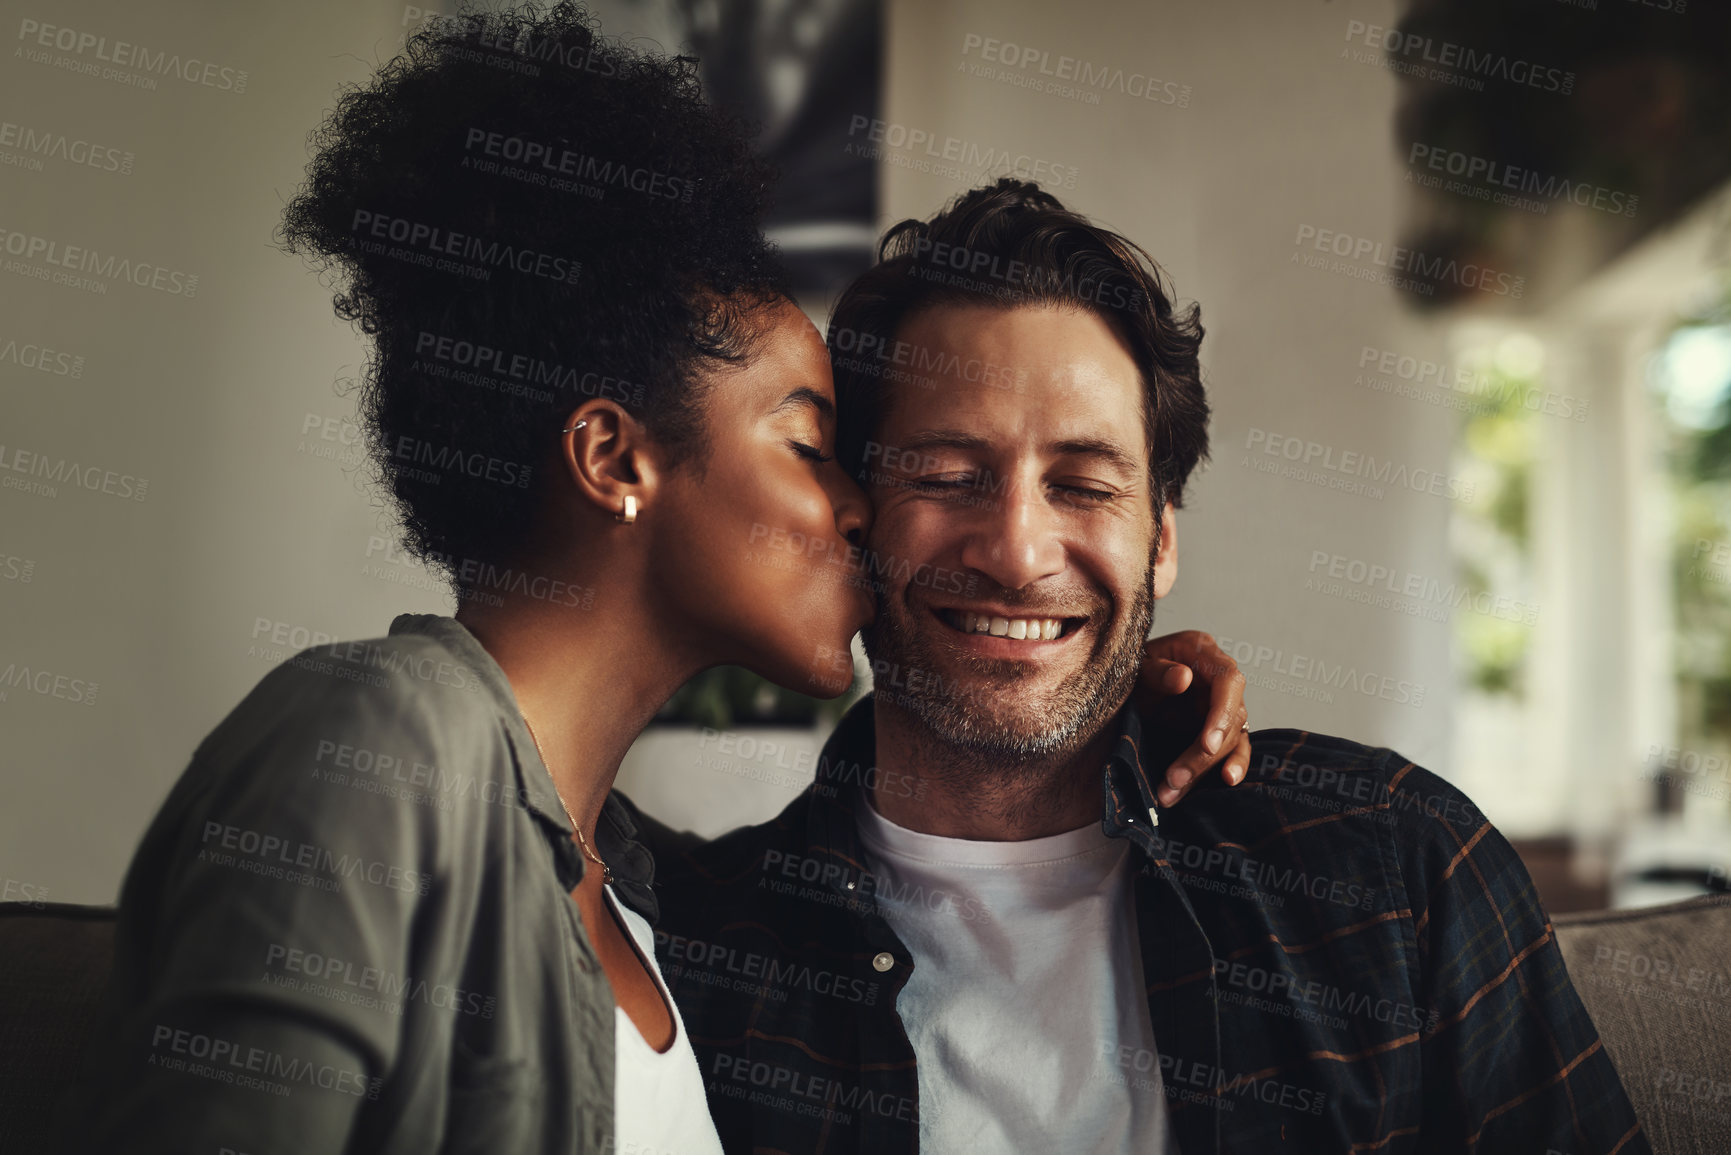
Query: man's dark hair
{"x": 523, "y": 215}
{"x": 1011, "y": 244}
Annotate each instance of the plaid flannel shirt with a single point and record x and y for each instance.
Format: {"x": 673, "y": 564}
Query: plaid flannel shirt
{"x": 1341, "y": 955}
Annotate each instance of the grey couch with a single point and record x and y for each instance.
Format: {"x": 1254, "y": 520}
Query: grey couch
{"x": 1657, "y": 981}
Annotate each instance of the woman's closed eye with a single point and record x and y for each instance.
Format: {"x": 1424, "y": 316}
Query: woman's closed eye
{"x": 810, "y": 452}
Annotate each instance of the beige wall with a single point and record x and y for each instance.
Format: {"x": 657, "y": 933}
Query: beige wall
{"x": 159, "y": 601}
{"x": 156, "y": 600}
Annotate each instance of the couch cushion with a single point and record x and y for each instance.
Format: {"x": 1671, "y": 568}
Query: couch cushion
{"x": 54, "y": 962}
{"x": 1657, "y": 981}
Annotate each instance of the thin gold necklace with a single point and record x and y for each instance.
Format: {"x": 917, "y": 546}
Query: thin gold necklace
{"x": 606, "y": 871}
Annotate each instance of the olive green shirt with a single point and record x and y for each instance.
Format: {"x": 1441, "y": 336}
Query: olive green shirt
{"x": 350, "y": 927}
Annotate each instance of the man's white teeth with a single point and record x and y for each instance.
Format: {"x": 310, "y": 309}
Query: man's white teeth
{"x": 1025, "y": 629}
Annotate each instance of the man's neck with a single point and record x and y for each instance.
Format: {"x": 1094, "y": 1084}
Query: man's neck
{"x": 959, "y": 793}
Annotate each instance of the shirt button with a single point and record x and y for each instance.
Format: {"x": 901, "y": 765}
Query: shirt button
{"x": 883, "y": 961}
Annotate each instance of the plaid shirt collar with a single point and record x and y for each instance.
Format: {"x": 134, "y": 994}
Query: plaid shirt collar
{"x": 1187, "y": 1027}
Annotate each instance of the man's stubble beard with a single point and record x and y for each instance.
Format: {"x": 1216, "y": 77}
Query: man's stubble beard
{"x": 984, "y": 725}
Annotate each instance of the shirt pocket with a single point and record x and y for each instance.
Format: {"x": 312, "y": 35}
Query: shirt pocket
{"x": 496, "y": 1104}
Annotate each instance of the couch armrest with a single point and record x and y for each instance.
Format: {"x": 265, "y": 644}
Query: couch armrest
{"x": 1657, "y": 981}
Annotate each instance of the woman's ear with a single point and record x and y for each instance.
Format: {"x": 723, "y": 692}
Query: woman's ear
{"x": 1166, "y": 557}
{"x": 608, "y": 457}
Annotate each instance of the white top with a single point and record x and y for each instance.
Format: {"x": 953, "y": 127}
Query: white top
{"x": 1025, "y": 1007}
{"x": 659, "y": 1106}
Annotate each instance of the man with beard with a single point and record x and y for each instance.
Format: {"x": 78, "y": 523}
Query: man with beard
{"x": 979, "y": 930}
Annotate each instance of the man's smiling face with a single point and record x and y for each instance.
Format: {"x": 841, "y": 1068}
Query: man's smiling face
{"x": 1041, "y": 494}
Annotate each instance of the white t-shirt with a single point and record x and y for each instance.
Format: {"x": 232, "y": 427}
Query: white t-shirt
{"x": 659, "y": 1106}
{"x": 1025, "y": 1007}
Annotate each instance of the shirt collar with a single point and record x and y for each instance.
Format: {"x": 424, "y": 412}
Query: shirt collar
{"x": 615, "y": 835}
{"x": 845, "y": 769}
{"x": 1129, "y": 791}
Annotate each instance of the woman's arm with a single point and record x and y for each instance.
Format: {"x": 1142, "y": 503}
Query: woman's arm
{"x": 263, "y": 894}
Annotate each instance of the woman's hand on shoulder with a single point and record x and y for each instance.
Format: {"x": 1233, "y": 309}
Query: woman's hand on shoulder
{"x": 1189, "y": 683}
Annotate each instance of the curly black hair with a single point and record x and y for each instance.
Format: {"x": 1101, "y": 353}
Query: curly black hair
{"x": 1008, "y": 244}
{"x": 522, "y": 214}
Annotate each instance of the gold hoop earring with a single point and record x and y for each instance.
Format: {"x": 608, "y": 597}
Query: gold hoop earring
{"x": 628, "y": 513}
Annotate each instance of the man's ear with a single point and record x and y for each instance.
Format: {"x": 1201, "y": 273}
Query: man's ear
{"x": 1166, "y": 560}
{"x": 608, "y": 456}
